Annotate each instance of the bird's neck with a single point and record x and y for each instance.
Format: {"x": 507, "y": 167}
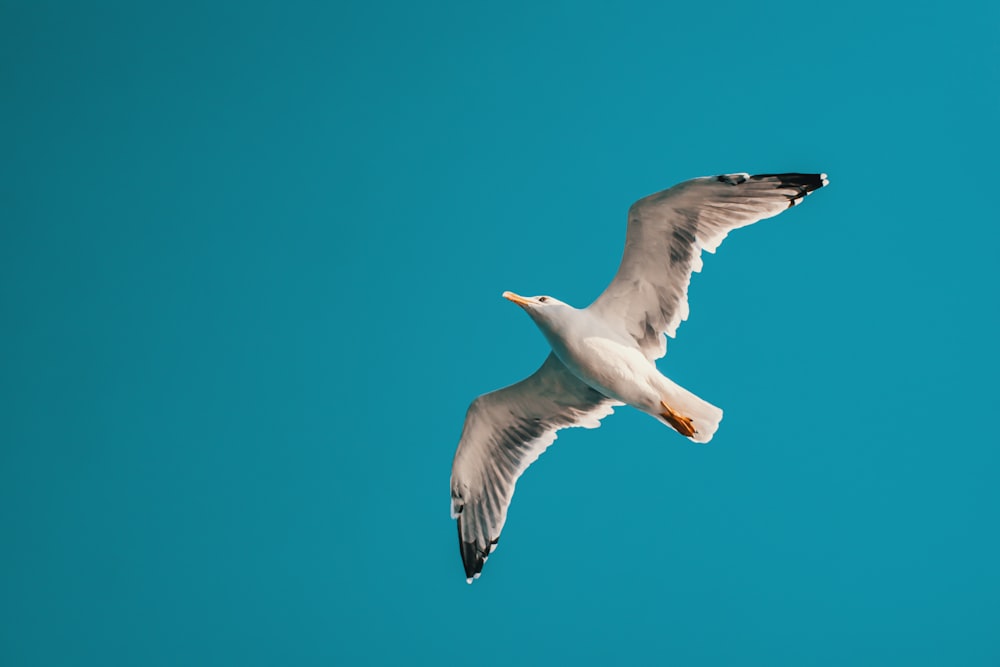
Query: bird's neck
{"x": 560, "y": 324}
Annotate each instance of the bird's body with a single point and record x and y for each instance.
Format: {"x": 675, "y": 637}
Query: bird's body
{"x": 604, "y": 355}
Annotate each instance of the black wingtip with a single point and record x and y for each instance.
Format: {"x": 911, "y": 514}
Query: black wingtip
{"x": 802, "y": 183}
{"x": 473, "y": 558}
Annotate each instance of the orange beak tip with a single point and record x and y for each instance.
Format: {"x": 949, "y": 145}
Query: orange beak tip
{"x": 516, "y": 298}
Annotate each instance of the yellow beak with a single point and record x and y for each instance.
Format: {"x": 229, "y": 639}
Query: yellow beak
{"x": 519, "y": 300}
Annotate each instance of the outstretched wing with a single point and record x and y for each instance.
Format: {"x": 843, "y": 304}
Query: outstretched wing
{"x": 667, "y": 232}
{"x": 505, "y": 431}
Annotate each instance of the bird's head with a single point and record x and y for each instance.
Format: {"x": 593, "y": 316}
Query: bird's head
{"x": 540, "y": 308}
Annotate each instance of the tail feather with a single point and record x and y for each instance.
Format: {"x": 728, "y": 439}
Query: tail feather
{"x": 690, "y": 415}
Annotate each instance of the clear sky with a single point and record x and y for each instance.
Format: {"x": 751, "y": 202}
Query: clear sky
{"x": 251, "y": 258}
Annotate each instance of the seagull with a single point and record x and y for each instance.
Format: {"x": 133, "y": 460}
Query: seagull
{"x": 604, "y": 355}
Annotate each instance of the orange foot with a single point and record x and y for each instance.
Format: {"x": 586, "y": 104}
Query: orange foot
{"x": 683, "y": 424}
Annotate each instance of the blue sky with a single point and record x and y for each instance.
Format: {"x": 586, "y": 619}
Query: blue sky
{"x": 251, "y": 259}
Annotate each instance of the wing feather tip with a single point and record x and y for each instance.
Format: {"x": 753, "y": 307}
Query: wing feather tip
{"x": 803, "y": 184}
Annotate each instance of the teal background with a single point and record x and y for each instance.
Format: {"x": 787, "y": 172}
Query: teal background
{"x": 251, "y": 258}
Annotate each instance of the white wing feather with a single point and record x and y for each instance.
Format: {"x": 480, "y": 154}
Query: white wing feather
{"x": 505, "y": 431}
{"x": 667, "y": 232}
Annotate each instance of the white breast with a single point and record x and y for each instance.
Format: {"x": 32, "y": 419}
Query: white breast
{"x": 607, "y": 360}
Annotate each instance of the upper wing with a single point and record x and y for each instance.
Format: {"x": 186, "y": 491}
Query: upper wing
{"x": 505, "y": 431}
{"x": 667, "y": 232}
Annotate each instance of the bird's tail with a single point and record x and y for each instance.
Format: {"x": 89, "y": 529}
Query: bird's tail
{"x": 688, "y": 414}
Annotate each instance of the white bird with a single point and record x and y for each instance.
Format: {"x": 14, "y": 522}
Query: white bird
{"x": 604, "y": 355}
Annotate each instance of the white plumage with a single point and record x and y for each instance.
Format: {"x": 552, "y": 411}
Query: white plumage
{"x": 604, "y": 355}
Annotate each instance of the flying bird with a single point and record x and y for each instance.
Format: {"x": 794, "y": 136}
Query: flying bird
{"x": 604, "y": 355}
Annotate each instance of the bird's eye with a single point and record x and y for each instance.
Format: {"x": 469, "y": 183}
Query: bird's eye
{"x": 543, "y": 299}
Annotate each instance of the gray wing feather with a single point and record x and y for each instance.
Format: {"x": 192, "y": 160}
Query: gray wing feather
{"x": 504, "y": 432}
{"x": 667, "y": 232}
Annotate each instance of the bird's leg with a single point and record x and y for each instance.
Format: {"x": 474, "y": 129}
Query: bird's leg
{"x": 683, "y": 424}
